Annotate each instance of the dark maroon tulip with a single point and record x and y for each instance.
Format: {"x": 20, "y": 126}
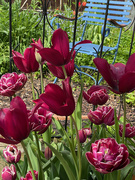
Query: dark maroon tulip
{"x": 106, "y": 155}
{"x": 9, "y": 173}
{"x": 96, "y": 95}
{"x": 10, "y": 83}
{"x": 58, "y": 71}
{"x": 48, "y": 153}
{"x": 29, "y": 176}
{"x": 12, "y": 154}
{"x": 14, "y": 124}
{"x": 83, "y": 134}
{"x": 57, "y": 100}
{"x": 102, "y": 115}
{"x": 59, "y": 54}
{"x": 120, "y": 77}
{"x": 38, "y": 45}
{"x": 40, "y": 120}
{"x": 129, "y": 132}
{"x": 26, "y": 63}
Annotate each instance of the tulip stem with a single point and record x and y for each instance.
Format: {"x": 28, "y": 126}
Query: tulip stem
{"x": 41, "y": 175}
{"x": 64, "y": 71}
{"x": 31, "y": 78}
{"x": 79, "y": 149}
{"x": 41, "y": 77}
{"x": 124, "y": 122}
{"x": 29, "y": 161}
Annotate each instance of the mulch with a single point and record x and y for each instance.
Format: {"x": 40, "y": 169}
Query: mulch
{"x": 26, "y": 95}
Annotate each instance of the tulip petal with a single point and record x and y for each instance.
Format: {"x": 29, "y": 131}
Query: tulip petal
{"x": 52, "y": 56}
{"x": 30, "y": 62}
{"x": 60, "y": 42}
{"x": 18, "y": 103}
{"x": 56, "y": 71}
{"x": 130, "y": 66}
{"x": 127, "y": 82}
{"x": 106, "y": 71}
{"x": 17, "y": 124}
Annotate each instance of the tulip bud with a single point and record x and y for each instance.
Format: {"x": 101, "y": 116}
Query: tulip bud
{"x": 9, "y": 173}
{"x": 12, "y": 154}
{"x": 96, "y": 95}
{"x": 38, "y": 57}
{"x": 129, "y": 132}
{"x": 48, "y": 153}
{"x": 83, "y": 134}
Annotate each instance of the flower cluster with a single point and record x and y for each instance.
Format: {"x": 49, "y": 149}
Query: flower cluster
{"x": 17, "y": 122}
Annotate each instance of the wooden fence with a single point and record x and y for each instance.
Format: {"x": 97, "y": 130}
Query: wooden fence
{"x": 53, "y": 4}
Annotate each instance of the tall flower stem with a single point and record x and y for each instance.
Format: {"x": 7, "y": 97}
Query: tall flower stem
{"x": 41, "y": 76}
{"x": 29, "y": 161}
{"x": 31, "y": 78}
{"x": 79, "y": 149}
{"x": 124, "y": 122}
{"x": 39, "y": 157}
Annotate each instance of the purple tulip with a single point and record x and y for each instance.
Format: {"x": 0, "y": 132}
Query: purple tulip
{"x": 14, "y": 124}
{"x": 26, "y": 63}
{"x": 102, "y": 115}
{"x": 48, "y": 153}
{"x": 12, "y": 154}
{"x": 11, "y": 82}
{"x": 106, "y": 155}
{"x": 120, "y": 77}
{"x": 59, "y": 54}
{"x": 58, "y": 71}
{"x": 83, "y": 134}
{"x": 40, "y": 120}
{"x": 96, "y": 95}
{"x": 57, "y": 100}
{"x": 29, "y": 176}
{"x": 129, "y": 132}
{"x": 9, "y": 173}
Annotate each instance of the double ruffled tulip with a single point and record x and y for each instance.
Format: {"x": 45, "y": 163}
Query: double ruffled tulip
{"x": 29, "y": 176}
{"x": 10, "y": 83}
{"x": 129, "y": 132}
{"x": 40, "y": 120}
{"x": 96, "y": 95}
{"x": 57, "y": 100}
{"x": 102, "y": 115}
{"x": 84, "y": 133}
{"x": 9, "y": 173}
{"x": 120, "y": 77}
{"x": 106, "y": 155}
{"x": 12, "y": 154}
{"x": 14, "y": 124}
{"x": 59, "y": 54}
{"x": 26, "y": 63}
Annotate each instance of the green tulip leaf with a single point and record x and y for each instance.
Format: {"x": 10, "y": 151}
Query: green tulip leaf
{"x": 63, "y": 162}
{"x": 126, "y": 170}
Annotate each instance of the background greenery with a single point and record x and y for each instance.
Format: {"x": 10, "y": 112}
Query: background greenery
{"x": 24, "y": 28}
